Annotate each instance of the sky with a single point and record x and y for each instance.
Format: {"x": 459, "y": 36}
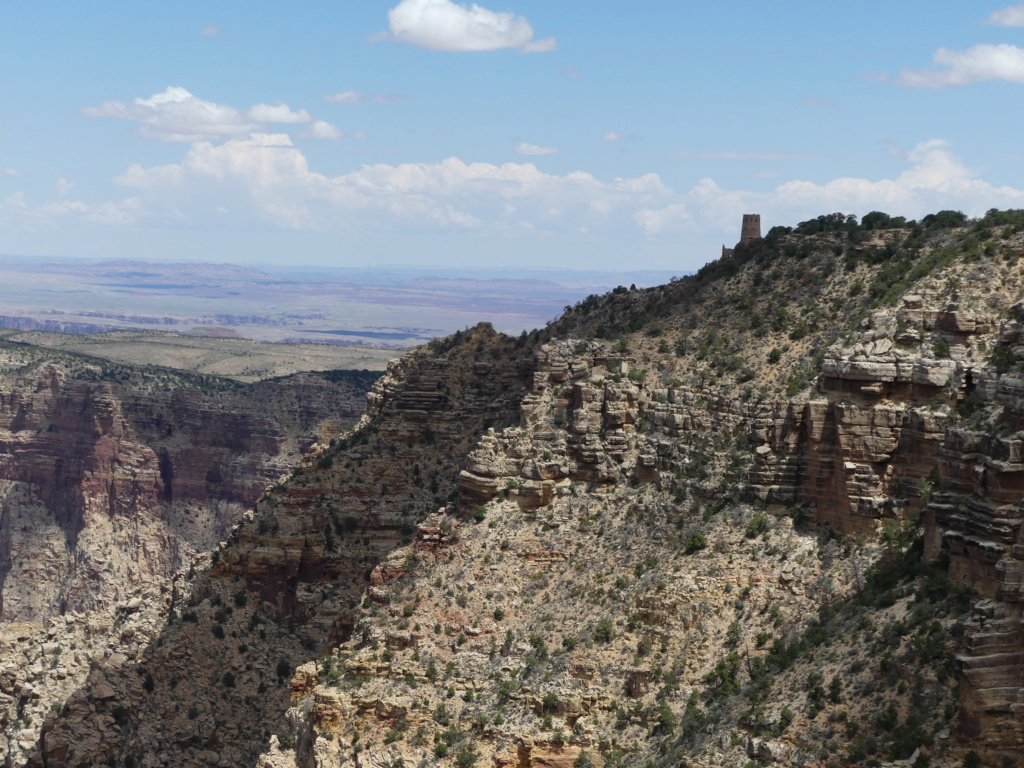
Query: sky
{"x": 579, "y": 135}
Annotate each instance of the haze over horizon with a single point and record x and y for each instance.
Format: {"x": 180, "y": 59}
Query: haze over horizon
{"x": 427, "y": 132}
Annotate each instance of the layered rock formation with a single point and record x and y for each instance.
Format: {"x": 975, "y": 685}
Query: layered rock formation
{"x": 108, "y": 484}
{"x": 742, "y": 516}
{"x": 890, "y": 438}
{"x": 290, "y": 579}
{"x": 112, "y": 479}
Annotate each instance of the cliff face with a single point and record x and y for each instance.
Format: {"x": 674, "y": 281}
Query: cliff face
{"x": 499, "y": 643}
{"x": 748, "y": 515}
{"x": 107, "y": 485}
{"x": 111, "y": 480}
{"x": 290, "y": 579}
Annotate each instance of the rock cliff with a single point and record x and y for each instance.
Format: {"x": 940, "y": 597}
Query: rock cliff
{"x": 290, "y": 579}
{"x": 771, "y": 512}
{"x": 111, "y": 480}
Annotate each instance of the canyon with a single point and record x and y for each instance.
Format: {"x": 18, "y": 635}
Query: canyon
{"x": 768, "y": 513}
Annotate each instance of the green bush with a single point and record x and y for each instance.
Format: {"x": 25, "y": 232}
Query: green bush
{"x": 695, "y": 542}
{"x": 758, "y": 524}
{"x": 604, "y": 630}
{"x": 466, "y": 757}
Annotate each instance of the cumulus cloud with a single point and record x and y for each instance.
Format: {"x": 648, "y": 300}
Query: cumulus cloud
{"x": 210, "y": 31}
{"x": 935, "y": 179}
{"x": 532, "y": 149}
{"x": 321, "y": 129}
{"x": 176, "y": 115}
{"x": 1011, "y": 16}
{"x": 613, "y": 136}
{"x": 264, "y": 180}
{"x": 975, "y": 64}
{"x": 10, "y": 172}
{"x": 266, "y": 176}
{"x": 441, "y": 25}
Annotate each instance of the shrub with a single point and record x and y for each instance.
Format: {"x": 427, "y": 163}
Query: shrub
{"x": 466, "y": 757}
{"x": 441, "y": 716}
{"x": 550, "y": 702}
{"x": 603, "y": 630}
{"x": 667, "y": 720}
{"x": 695, "y": 542}
{"x": 758, "y": 524}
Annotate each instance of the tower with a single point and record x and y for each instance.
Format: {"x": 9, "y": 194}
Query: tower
{"x": 751, "y": 229}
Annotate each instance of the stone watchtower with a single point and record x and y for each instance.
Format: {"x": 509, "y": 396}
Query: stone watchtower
{"x": 751, "y": 230}
{"x": 751, "y": 227}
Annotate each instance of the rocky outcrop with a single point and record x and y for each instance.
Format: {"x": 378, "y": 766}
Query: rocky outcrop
{"x": 109, "y": 484}
{"x": 559, "y": 550}
{"x": 111, "y": 480}
{"x": 289, "y": 581}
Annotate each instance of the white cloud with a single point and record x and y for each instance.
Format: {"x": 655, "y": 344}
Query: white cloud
{"x": 64, "y": 186}
{"x": 10, "y": 171}
{"x": 355, "y": 97}
{"x": 177, "y": 115}
{"x": 613, "y": 136}
{"x": 346, "y": 97}
{"x": 210, "y": 31}
{"x": 935, "y": 180}
{"x": 532, "y": 149}
{"x": 544, "y": 45}
{"x": 1011, "y": 16}
{"x": 975, "y": 64}
{"x": 268, "y": 178}
{"x": 441, "y": 25}
{"x": 572, "y": 74}
{"x": 265, "y": 181}
{"x": 16, "y": 210}
{"x": 361, "y": 135}
{"x": 277, "y": 113}
{"x": 321, "y": 129}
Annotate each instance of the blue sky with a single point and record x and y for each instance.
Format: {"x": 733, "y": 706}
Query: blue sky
{"x": 569, "y": 134}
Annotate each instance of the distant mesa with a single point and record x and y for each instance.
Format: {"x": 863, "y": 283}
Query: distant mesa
{"x": 749, "y": 231}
